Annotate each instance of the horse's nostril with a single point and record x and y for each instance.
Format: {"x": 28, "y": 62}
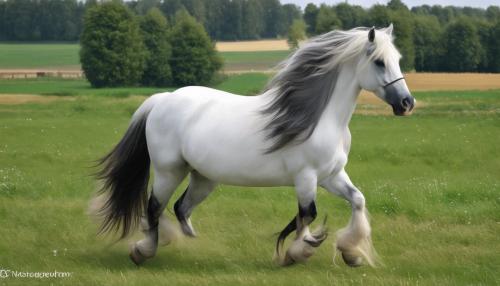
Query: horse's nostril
{"x": 406, "y": 102}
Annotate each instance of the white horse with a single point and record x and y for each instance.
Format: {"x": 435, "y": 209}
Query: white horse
{"x": 294, "y": 134}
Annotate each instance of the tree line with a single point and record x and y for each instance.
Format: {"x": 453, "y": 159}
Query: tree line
{"x": 431, "y": 38}
{"x": 62, "y": 20}
{"x": 40, "y": 20}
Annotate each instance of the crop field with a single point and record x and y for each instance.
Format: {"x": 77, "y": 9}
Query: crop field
{"x": 431, "y": 183}
{"x": 65, "y": 56}
{"x": 252, "y": 46}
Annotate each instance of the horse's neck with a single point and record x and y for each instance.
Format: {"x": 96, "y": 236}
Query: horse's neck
{"x": 343, "y": 101}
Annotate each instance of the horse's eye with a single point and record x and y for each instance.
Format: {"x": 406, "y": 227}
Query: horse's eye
{"x": 379, "y": 63}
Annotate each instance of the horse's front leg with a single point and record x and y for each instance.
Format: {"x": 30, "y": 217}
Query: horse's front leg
{"x": 353, "y": 241}
{"x": 305, "y": 242}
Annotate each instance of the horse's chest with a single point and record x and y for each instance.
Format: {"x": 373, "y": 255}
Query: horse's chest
{"x": 326, "y": 156}
{"x": 333, "y": 160}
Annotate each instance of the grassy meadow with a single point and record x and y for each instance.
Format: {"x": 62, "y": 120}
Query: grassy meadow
{"x": 431, "y": 183}
{"x": 32, "y": 56}
{"x": 250, "y": 83}
{"x": 64, "y": 56}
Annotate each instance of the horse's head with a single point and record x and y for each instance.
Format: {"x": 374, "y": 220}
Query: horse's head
{"x": 378, "y": 71}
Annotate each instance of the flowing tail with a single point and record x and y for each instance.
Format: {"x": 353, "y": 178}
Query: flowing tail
{"x": 125, "y": 174}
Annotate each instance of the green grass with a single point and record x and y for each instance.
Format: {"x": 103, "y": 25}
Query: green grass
{"x": 250, "y": 83}
{"x": 431, "y": 183}
{"x": 65, "y": 56}
{"x": 246, "y": 84}
{"x": 247, "y": 61}
{"x": 68, "y": 87}
{"x": 31, "y": 56}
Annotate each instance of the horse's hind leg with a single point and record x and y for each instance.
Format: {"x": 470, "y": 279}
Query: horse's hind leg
{"x": 199, "y": 188}
{"x": 164, "y": 186}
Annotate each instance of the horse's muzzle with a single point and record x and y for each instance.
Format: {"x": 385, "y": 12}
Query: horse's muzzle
{"x": 404, "y": 107}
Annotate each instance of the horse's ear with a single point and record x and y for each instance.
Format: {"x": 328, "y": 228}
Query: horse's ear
{"x": 371, "y": 34}
{"x": 388, "y": 30}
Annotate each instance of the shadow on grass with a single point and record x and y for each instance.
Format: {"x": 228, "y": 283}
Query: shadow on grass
{"x": 175, "y": 260}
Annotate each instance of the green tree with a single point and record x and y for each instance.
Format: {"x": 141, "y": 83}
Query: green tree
{"x": 215, "y": 18}
{"x": 251, "y": 26}
{"x": 155, "y": 31}
{"x": 462, "y": 46}
{"x": 231, "y": 27}
{"x": 170, "y": 7}
{"x": 194, "y": 59}
{"x": 403, "y": 32}
{"x": 444, "y": 14}
{"x": 327, "y": 20}
{"x": 58, "y": 20}
{"x": 379, "y": 16}
{"x": 426, "y": 39}
{"x": 19, "y": 20}
{"x": 396, "y": 5}
{"x": 296, "y": 33}
{"x": 291, "y": 13}
{"x": 483, "y": 29}
{"x": 493, "y": 13}
{"x": 273, "y": 18}
{"x": 421, "y": 10}
{"x": 351, "y": 16}
{"x": 310, "y": 15}
{"x": 2, "y": 21}
{"x": 112, "y": 51}
{"x": 144, "y": 6}
{"x": 493, "y": 48}
{"x": 197, "y": 9}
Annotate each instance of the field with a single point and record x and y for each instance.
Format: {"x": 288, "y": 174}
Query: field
{"x": 39, "y": 56}
{"x": 250, "y": 83}
{"x": 26, "y": 90}
{"x": 62, "y": 56}
{"x": 431, "y": 182}
{"x": 252, "y": 46}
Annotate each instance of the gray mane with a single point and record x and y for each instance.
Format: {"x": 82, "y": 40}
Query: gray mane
{"x": 304, "y": 85}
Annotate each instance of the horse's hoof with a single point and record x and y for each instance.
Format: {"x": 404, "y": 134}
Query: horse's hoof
{"x": 313, "y": 243}
{"x": 288, "y": 260}
{"x": 136, "y": 256}
{"x": 187, "y": 228}
{"x": 316, "y": 239}
{"x": 351, "y": 260}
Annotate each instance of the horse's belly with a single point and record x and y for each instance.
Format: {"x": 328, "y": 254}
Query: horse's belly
{"x": 235, "y": 160}
{"x": 241, "y": 160}
{"x": 251, "y": 177}
{"x": 241, "y": 170}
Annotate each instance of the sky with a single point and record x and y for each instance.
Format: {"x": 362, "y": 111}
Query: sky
{"x": 410, "y": 3}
